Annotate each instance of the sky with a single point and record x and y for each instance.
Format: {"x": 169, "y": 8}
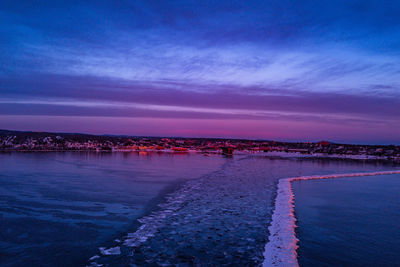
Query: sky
{"x": 281, "y": 70}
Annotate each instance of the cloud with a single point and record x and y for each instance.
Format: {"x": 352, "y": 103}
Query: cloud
{"x": 286, "y": 61}
{"x": 176, "y": 96}
{"x": 316, "y": 45}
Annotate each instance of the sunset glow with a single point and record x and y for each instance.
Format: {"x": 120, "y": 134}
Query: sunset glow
{"x": 262, "y": 70}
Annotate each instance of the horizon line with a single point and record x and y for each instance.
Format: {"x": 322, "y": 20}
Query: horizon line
{"x": 208, "y": 137}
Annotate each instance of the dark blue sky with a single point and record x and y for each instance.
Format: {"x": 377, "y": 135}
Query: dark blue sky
{"x": 287, "y": 70}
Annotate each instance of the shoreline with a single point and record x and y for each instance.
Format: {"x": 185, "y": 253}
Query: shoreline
{"x": 278, "y": 154}
{"x": 281, "y": 250}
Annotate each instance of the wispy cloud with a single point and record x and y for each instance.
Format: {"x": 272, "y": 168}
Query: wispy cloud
{"x": 91, "y": 92}
{"x": 263, "y": 61}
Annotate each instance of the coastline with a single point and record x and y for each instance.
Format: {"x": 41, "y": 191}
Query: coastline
{"x": 282, "y": 245}
{"x": 277, "y": 154}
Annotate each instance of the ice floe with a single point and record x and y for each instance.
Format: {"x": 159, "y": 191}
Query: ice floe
{"x": 110, "y": 251}
{"x": 94, "y": 257}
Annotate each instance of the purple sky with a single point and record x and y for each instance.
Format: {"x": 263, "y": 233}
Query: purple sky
{"x": 283, "y": 70}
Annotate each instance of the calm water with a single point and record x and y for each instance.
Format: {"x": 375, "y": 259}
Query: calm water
{"x": 58, "y": 209}
{"x": 349, "y": 221}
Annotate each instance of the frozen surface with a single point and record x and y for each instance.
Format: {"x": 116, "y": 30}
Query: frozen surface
{"x": 144, "y": 209}
{"x": 282, "y": 245}
{"x": 220, "y": 219}
{"x": 109, "y": 251}
{"x": 57, "y": 209}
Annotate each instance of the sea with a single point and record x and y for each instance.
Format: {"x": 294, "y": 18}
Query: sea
{"x": 156, "y": 209}
{"x": 348, "y": 221}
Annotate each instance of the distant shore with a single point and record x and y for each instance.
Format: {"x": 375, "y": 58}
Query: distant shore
{"x": 279, "y": 154}
{"x": 61, "y": 142}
